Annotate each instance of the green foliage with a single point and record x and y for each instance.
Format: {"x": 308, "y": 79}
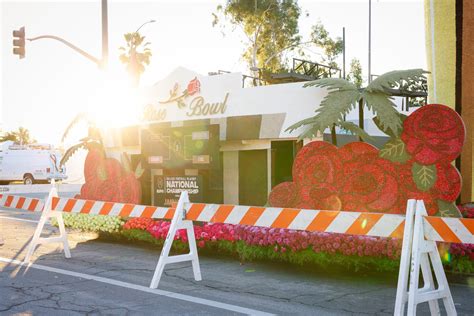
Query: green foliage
{"x": 92, "y": 223}
{"x": 387, "y": 131}
{"x": 332, "y": 47}
{"x": 424, "y": 176}
{"x": 448, "y": 209}
{"x": 343, "y": 96}
{"x": 341, "y": 99}
{"x": 394, "y": 150}
{"x": 355, "y": 73}
{"x": 394, "y": 79}
{"x": 387, "y": 113}
{"x": 21, "y": 137}
{"x": 461, "y": 265}
{"x": 269, "y": 25}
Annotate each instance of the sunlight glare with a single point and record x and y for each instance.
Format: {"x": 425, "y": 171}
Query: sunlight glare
{"x": 115, "y": 102}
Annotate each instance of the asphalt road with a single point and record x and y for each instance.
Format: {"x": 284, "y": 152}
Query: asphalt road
{"x": 110, "y": 278}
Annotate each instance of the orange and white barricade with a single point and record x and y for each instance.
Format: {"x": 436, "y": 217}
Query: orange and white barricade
{"x": 419, "y": 231}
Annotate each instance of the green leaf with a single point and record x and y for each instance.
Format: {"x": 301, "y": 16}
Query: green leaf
{"x": 394, "y": 150}
{"x": 424, "y": 176}
{"x": 389, "y": 132}
{"x": 332, "y": 110}
{"x": 448, "y": 209}
{"x": 356, "y": 130}
{"x": 385, "y": 109}
{"x": 395, "y": 78}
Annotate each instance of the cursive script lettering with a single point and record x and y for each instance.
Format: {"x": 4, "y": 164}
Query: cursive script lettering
{"x": 150, "y": 113}
{"x": 198, "y": 107}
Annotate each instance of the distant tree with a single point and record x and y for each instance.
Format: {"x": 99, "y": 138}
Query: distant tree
{"x": 21, "y": 136}
{"x": 355, "y": 73}
{"x": 331, "y": 47}
{"x": 135, "y": 56}
{"x": 271, "y": 26}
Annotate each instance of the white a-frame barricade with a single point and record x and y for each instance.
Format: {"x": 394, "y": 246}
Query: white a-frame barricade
{"x": 418, "y": 253}
{"x": 45, "y": 216}
{"x": 178, "y": 222}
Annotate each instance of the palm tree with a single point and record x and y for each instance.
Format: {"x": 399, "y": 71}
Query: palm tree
{"x": 343, "y": 96}
{"x": 22, "y": 136}
{"x": 135, "y": 56}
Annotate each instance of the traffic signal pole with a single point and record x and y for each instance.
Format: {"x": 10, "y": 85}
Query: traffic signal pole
{"x": 19, "y": 41}
{"x": 69, "y": 44}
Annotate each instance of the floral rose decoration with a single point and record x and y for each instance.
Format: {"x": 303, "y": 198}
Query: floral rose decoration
{"x": 283, "y": 195}
{"x": 194, "y": 86}
{"x": 317, "y": 163}
{"x": 408, "y": 190}
{"x": 434, "y": 133}
{"x": 369, "y": 185}
{"x": 448, "y": 182}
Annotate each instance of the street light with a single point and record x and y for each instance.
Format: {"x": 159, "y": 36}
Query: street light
{"x": 151, "y": 21}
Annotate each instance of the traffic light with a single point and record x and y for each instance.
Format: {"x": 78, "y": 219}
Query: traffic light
{"x": 19, "y": 42}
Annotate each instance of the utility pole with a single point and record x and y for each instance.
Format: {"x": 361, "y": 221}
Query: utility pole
{"x": 370, "y": 39}
{"x": 344, "y": 52}
{"x": 105, "y": 35}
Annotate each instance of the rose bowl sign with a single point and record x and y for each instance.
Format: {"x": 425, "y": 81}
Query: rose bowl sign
{"x": 189, "y": 101}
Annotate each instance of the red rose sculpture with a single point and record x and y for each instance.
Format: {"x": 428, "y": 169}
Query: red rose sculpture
{"x": 433, "y": 134}
{"x": 106, "y": 180}
{"x": 369, "y": 185}
{"x": 359, "y": 177}
{"x": 194, "y": 86}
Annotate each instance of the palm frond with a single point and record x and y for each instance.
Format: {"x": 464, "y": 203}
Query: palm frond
{"x": 71, "y": 151}
{"x": 395, "y": 78}
{"x": 356, "y": 130}
{"x": 79, "y": 117}
{"x": 301, "y": 123}
{"x": 333, "y": 108}
{"x": 331, "y": 84}
{"x": 387, "y": 115}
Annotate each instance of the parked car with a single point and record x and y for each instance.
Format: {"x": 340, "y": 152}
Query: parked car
{"x": 37, "y": 163}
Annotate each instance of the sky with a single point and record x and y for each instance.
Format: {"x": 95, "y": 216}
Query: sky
{"x": 45, "y": 90}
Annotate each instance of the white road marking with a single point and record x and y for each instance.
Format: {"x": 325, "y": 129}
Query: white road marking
{"x": 183, "y": 297}
{"x": 19, "y": 219}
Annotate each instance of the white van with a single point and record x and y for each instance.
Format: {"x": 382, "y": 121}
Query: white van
{"x": 31, "y": 163}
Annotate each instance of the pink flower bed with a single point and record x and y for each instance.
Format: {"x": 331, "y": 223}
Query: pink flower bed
{"x": 286, "y": 240}
{"x": 282, "y": 240}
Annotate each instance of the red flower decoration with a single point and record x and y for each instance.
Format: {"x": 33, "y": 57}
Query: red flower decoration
{"x": 317, "y": 163}
{"x": 369, "y": 185}
{"x": 194, "y": 86}
{"x": 448, "y": 182}
{"x": 408, "y": 190}
{"x": 357, "y": 151}
{"x": 433, "y": 134}
{"x": 283, "y": 195}
{"x": 106, "y": 180}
